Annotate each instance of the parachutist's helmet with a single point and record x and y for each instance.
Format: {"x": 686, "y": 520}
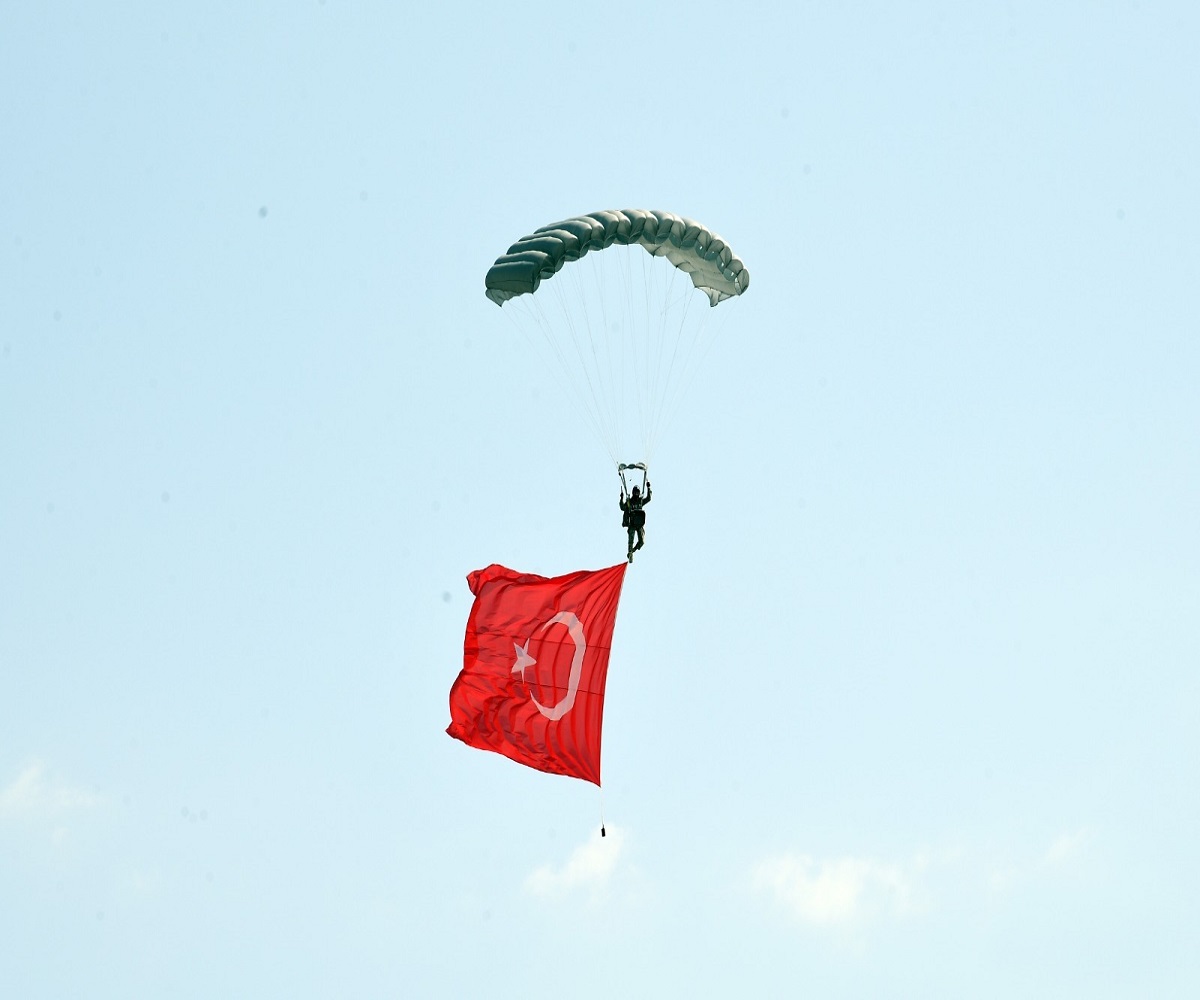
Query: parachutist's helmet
{"x": 636, "y": 491}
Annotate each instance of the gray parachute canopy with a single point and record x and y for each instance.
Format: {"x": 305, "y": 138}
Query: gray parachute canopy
{"x": 684, "y": 242}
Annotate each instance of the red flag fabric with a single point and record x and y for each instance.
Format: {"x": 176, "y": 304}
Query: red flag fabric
{"x": 535, "y": 661}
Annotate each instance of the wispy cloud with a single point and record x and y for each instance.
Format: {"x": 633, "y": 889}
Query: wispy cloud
{"x": 590, "y": 868}
{"x": 1065, "y": 855}
{"x": 840, "y": 890}
{"x": 36, "y": 794}
{"x": 849, "y": 891}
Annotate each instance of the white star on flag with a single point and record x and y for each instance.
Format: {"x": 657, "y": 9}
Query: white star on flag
{"x": 523, "y": 658}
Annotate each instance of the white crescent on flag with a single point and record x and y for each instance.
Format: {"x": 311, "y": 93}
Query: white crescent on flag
{"x": 575, "y": 631}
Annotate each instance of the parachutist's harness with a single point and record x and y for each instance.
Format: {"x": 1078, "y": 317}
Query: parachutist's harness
{"x": 632, "y": 516}
{"x": 621, "y": 472}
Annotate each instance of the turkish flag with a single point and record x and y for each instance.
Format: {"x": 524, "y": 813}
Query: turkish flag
{"x": 535, "y": 661}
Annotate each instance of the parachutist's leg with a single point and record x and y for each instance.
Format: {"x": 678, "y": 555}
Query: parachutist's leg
{"x": 641, "y": 533}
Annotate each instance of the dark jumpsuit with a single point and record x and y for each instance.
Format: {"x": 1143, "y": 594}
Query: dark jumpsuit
{"x": 635, "y": 520}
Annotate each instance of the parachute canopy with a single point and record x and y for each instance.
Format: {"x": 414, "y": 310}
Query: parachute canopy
{"x": 687, "y": 244}
{"x": 621, "y": 332}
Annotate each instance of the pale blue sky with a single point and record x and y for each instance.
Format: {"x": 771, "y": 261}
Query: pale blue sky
{"x": 903, "y": 698}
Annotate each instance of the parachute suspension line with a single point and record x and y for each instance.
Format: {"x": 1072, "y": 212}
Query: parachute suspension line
{"x": 695, "y": 340}
{"x": 602, "y": 344}
{"x": 607, "y": 284}
{"x": 604, "y": 285}
{"x": 626, "y": 363}
{"x": 652, "y": 334}
{"x": 639, "y": 333}
{"x": 629, "y": 335}
{"x": 680, "y": 299}
{"x": 669, "y": 384}
{"x": 616, "y": 352}
{"x": 628, "y": 391}
{"x": 530, "y": 308}
{"x": 590, "y": 368}
{"x": 589, "y": 402}
{"x": 667, "y": 354}
{"x": 666, "y": 305}
{"x": 565, "y": 318}
{"x": 707, "y": 334}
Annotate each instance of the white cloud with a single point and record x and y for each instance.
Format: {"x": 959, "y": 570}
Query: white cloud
{"x": 839, "y": 891}
{"x": 35, "y": 794}
{"x": 850, "y": 891}
{"x": 590, "y": 867}
{"x": 1065, "y": 852}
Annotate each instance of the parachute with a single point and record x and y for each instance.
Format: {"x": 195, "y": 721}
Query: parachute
{"x": 624, "y": 330}
{"x": 685, "y": 243}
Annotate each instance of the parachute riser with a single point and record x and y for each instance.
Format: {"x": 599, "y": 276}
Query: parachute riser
{"x": 640, "y": 466}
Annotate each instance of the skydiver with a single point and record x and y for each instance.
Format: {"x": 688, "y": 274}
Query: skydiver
{"x": 634, "y": 518}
